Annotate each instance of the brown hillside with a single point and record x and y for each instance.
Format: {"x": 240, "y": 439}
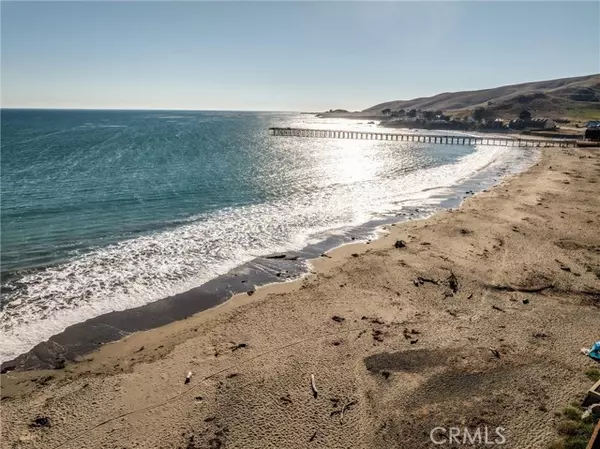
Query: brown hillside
{"x": 575, "y": 97}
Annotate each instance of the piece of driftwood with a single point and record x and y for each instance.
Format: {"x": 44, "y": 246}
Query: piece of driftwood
{"x": 510, "y": 288}
{"x": 343, "y": 410}
{"x": 346, "y": 407}
{"x": 313, "y": 386}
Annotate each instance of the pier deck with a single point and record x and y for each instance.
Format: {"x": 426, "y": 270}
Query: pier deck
{"x": 426, "y": 138}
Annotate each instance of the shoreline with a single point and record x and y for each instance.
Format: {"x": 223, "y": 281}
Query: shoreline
{"x": 398, "y": 339}
{"x": 85, "y": 337}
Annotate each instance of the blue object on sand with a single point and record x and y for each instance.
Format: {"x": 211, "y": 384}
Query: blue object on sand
{"x": 595, "y": 351}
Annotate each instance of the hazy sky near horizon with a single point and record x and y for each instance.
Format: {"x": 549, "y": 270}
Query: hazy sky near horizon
{"x": 307, "y": 56}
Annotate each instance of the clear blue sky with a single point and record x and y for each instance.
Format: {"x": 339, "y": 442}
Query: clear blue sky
{"x": 283, "y": 55}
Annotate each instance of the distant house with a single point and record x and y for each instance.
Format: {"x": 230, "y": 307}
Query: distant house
{"x": 549, "y": 123}
{"x": 493, "y": 124}
{"x": 536, "y": 123}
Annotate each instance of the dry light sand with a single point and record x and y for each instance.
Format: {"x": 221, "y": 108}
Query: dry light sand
{"x": 478, "y": 320}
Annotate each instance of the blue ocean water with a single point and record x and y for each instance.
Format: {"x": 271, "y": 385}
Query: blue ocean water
{"x": 107, "y": 210}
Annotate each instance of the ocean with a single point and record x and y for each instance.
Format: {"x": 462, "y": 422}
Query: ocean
{"x": 110, "y": 210}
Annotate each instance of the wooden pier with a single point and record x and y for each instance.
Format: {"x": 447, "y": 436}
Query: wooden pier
{"x": 425, "y": 138}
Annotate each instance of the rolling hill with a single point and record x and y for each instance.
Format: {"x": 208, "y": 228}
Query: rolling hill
{"x": 577, "y": 97}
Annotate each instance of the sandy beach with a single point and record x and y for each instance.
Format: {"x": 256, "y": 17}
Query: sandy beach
{"x": 473, "y": 317}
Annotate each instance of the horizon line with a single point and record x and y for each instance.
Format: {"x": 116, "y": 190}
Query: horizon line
{"x": 149, "y": 109}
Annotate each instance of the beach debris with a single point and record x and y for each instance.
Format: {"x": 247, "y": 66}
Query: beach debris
{"x": 325, "y": 255}
{"x": 525, "y": 301}
{"x": 453, "y": 282}
{"x": 470, "y": 296}
{"x": 371, "y": 320}
{"x": 314, "y": 435}
{"x": 238, "y": 346}
{"x": 409, "y": 335}
{"x": 588, "y": 411}
{"x": 377, "y": 335}
{"x": 198, "y": 398}
{"x": 400, "y": 244}
{"x": 354, "y": 254}
{"x": 415, "y": 341}
{"x": 346, "y": 407}
{"x": 338, "y": 319}
{"x": 510, "y": 288}
{"x": 286, "y": 399}
{"x": 593, "y": 352}
{"x": 361, "y": 333}
{"x": 465, "y": 231}
{"x": 495, "y": 352}
{"x": 540, "y": 335}
{"x": 421, "y": 280}
{"x": 39, "y": 422}
{"x": 140, "y": 350}
{"x": 276, "y": 256}
{"x": 313, "y": 386}
{"x": 499, "y": 309}
{"x": 250, "y": 292}
{"x": 425, "y": 243}
{"x": 188, "y": 378}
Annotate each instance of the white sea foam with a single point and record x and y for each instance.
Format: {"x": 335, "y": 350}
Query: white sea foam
{"x": 138, "y": 271}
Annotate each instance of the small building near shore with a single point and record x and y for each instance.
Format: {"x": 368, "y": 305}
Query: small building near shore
{"x": 536, "y": 123}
